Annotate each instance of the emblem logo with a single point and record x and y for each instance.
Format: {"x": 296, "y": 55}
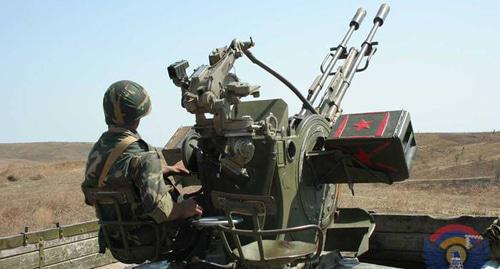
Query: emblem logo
{"x": 455, "y": 245}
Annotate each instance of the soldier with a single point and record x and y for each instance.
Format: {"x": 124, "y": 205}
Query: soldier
{"x": 121, "y": 161}
{"x": 492, "y": 233}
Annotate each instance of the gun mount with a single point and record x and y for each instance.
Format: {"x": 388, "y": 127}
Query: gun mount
{"x": 281, "y": 174}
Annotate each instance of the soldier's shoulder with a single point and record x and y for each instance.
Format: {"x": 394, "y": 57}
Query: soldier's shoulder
{"x": 143, "y": 158}
{"x": 109, "y": 140}
{"x": 137, "y": 148}
{"x": 141, "y": 153}
{"x": 106, "y": 142}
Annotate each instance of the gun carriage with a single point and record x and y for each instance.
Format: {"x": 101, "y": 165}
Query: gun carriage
{"x": 270, "y": 180}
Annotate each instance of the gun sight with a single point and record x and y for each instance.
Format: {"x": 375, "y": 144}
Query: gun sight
{"x": 177, "y": 71}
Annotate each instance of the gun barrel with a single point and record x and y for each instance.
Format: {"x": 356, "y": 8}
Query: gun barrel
{"x": 358, "y": 18}
{"x": 377, "y": 23}
{"x": 367, "y": 44}
{"x": 318, "y": 84}
{"x": 382, "y": 14}
{"x": 328, "y": 100}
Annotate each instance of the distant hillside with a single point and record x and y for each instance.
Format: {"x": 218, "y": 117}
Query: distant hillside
{"x": 452, "y": 155}
{"x": 40, "y": 182}
{"x": 439, "y": 155}
{"x": 45, "y": 151}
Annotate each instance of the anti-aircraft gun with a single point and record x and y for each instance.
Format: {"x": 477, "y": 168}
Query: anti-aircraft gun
{"x": 276, "y": 177}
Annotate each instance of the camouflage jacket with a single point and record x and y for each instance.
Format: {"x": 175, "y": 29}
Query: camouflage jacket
{"x": 137, "y": 169}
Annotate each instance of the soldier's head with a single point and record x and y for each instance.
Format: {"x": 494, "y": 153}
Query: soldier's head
{"x": 492, "y": 233}
{"x": 124, "y": 103}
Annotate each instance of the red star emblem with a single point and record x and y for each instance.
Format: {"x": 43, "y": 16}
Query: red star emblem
{"x": 366, "y": 158}
{"x": 363, "y": 124}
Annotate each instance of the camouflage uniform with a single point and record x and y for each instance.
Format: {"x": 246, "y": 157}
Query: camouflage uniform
{"x": 137, "y": 168}
{"x": 136, "y": 172}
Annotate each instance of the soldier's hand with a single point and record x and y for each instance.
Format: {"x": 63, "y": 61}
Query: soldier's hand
{"x": 185, "y": 209}
{"x": 176, "y": 169}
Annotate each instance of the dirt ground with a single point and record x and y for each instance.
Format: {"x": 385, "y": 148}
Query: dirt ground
{"x": 40, "y": 182}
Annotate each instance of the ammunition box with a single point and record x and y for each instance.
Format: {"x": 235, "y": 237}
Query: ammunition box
{"x": 366, "y": 148}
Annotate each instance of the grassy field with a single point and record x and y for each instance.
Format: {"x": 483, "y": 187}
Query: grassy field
{"x": 40, "y": 182}
{"x": 476, "y": 196}
{"x": 39, "y": 195}
{"x": 40, "y": 185}
{"x": 440, "y": 157}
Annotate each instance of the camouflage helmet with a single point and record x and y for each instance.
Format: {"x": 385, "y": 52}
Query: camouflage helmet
{"x": 124, "y": 102}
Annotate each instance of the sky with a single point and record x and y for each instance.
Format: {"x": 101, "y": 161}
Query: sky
{"x": 437, "y": 59}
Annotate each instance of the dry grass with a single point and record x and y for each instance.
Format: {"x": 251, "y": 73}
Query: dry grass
{"x": 42, "y": 195}
{"x": 441, "y": 156}
{"x": 435, "y": 199}
{"x": 457, "y": 155}
{"x": 40, "y": 182}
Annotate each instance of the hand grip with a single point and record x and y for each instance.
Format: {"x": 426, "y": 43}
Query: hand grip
{"x": 358, "y": 18}
{"x": 382, "y": 14}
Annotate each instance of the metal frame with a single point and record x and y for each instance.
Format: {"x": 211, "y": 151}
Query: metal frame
{"x": 59, "y": 232}
{"x": 257, "y": 207}
{"x": 116, "y": 199}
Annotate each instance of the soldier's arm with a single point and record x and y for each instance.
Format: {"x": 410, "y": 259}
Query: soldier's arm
{"x": 176, "y": 169}
{"x": 169, "y": 170}
{"x": 155, "y": 197}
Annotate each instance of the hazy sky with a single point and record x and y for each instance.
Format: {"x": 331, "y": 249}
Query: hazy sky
{"x": 439, "y": 60}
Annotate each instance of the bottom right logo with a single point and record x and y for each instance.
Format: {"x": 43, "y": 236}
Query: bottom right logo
{"x": 455, "y": 246}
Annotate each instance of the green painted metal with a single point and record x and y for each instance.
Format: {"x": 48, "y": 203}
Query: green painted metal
{"x": 376, "y": 147}
{"x": 27, "y": 238}
{"x": 242, "y": 147}
{"x": 75, "y": 252}
{"x": 41, "y": 253}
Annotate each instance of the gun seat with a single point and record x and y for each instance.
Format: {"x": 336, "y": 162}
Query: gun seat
{"x": 263, "y": 253}
{"x": 129, "y": 238}
{"x": 287, "y": 251}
